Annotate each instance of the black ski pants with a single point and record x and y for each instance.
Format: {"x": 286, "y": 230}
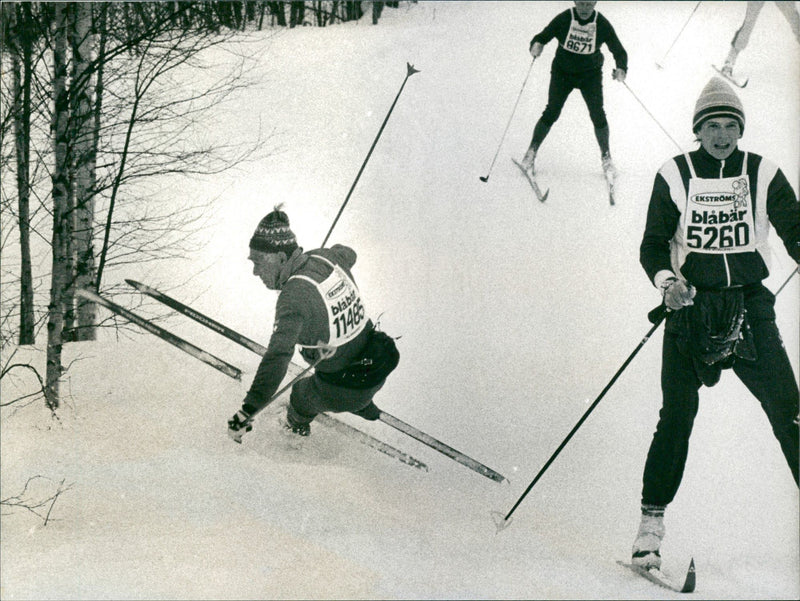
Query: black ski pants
{"x": 769, "y": 378}
{"x": 562, "y": 83}
{"x": 311, "y": 396}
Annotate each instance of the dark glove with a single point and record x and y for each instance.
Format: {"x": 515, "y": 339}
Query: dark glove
{"x": 677, "y": 293}
{"x": 240, "y": 424}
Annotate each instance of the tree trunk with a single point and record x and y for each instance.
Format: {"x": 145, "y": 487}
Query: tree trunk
{"x": 98, "y": 95}
{"x": 60, "y": 178}
{"x": 85, "y": 161}
{"x": 297, "y": 13}
{"x": 276, "y": 8}
{"x": 22, "y": 59}
{"x": 377, "y": 9}
{"x": 353, "y": 11}
{"x": 262, "y": 9}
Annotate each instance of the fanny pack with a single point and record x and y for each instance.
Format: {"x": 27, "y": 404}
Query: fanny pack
{"x": 378, "y": 359}
{"x": 714, "y": 331}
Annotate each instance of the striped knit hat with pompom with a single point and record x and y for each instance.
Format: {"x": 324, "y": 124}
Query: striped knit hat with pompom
{"x": 717, "y": 100}
{"x": 273, "y": 234}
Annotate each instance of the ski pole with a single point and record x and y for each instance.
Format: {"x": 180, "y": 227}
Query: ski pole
{"x": 485, "y": 178}
{"x": 787, "y": 281}
{"x": 410, "y": 72}
{"x": 659, "y": 64}
{"x": 652, "y": 116}
{"x": 656, "y": 316}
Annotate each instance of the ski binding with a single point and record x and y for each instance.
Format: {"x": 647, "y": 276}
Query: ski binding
{"x": 658, "y": 577}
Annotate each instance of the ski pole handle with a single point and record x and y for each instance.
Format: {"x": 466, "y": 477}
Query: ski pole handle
{"x": 657, "y": 314}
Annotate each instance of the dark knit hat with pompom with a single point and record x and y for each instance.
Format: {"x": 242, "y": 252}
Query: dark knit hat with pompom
{"x": 273, "y": 234}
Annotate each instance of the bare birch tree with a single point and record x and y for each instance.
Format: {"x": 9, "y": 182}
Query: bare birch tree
{"x": 21, "y": 51}
{"x": 59, "y": 278}
{"x": 122, "y": 112}
{"x": 82, "y": 135}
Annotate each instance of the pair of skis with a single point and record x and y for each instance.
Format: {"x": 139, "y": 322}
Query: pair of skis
{"x": 609, "y": 176}
{"x": 257, "y": 348}
{"x": 235, "y": 372}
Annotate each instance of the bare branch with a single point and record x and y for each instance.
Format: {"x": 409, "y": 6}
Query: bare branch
{"x": 40, "y": 507}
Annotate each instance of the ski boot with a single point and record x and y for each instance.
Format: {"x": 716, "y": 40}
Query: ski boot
{"x": 298, "y": 428}
{"x": 608, "y": 168}
{"x": 528, "y": 162}
{"x": 646, "y": 548}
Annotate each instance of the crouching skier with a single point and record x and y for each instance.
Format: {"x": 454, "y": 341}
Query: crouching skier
{"x": 319, "y": 307}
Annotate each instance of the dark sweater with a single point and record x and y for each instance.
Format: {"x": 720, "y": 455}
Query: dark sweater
{"x": 571, "y": 62}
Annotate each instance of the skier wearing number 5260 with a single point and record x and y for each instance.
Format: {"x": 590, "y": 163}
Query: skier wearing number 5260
{"x": 320, "y": 309}
{"x": 705, "y": 247}
{"x": 578, "y": 63}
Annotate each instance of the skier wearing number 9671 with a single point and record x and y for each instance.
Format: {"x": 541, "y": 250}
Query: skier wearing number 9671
{"x": 578, "y": 63}
{"x": 320, "y": 309}
{"x": 705, "y": 246}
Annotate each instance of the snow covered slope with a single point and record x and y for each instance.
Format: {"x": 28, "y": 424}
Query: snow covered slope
{"x": 513, "y": 315}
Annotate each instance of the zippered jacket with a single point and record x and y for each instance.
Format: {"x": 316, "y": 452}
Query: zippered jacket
{"x": 665, "y": 250}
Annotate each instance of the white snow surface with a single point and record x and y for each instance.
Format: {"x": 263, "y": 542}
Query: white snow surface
{"x": 514, "y": 315}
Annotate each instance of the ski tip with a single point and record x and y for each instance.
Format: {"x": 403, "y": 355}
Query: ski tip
{"x": 659, "y": 66}
{"x": 544, "y": 196}
{"x": 691, "y": 579}
{"x": 730, "y": 78}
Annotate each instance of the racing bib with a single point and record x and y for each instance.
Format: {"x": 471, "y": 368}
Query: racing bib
{"x": 719, "y": 214}
{"x": 342, "y": 299}
{"x": 581, "y": 39}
